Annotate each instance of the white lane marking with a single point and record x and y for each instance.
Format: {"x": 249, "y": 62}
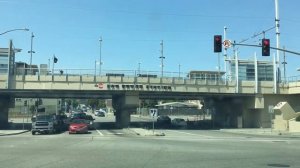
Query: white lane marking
{"x": 100, "y": 133}
{"x": 118, "y": 133}
{"x": 187, "y": 133}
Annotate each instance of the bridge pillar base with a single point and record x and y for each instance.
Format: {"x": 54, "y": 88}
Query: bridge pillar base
{"x": 124, "y": 104}
{"x": 4, "y": 106}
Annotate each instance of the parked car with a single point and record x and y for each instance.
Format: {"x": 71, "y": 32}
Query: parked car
{"x": 100, "y": 114}
{"x": 163, "y": 121}
{"x": 179, "y": 122}
{"x": 78, "y": 126}
{"x": 90, "y": 121}
{"x": 46, "y": 124}
{"x": 78, "y": 115}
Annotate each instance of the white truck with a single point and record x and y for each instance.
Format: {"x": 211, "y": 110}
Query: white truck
{"x": 44, "y": 124}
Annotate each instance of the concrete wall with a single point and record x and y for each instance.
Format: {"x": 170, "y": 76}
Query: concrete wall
{"x": 294, "y": 126}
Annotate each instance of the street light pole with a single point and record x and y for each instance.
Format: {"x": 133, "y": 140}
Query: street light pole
{"x": 25, "y": 29}
{"x": 100, "y": 64}
{"x": 9, "y": 54}
{"x": 162, "y": 58}
{"x": 53, "y": 64}
{"x": 95, "y": 67}
{"x": 139, "y": 68}
{"x": 31, "y": 53}
{"x": 179, "y": 66}
{"x": 277, "y": 36}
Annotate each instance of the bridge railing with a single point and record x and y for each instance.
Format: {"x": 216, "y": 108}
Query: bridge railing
{"x": 209, "y": 79}
{"x": 293, "y": 79}
{"x": 104, "y": 72}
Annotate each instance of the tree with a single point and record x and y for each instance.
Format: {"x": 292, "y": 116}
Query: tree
{"x": 96, "y": 103}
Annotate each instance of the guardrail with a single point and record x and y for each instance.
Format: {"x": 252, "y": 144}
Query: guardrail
{"x": 92, "y": 72}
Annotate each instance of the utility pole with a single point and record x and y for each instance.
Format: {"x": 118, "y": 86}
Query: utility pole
{"x": 284, "y": 65}
{"x": 179, "y": 66}
{"x": 100, "y": 64}
{"x": 139, "y": 68}
{"x": 225, "y": 54}
{"x": 95, "y": 67}
{"x": 277, "y": 36}
{"x": 162, "y": 57}
{"x": 49, "y": 65}
{"x": 31, "y": 53}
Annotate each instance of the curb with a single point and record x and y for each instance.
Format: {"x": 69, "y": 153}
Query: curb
{"x": 17, "y": 133}
{"x": 141, "y": 134}
{"x": 277, "y": 134}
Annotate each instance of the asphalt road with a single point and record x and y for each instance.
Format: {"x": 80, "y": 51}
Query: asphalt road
{"x": 123, "y": 148}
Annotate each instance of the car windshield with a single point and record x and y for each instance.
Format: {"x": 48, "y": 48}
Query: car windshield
{"x": 149, "y": 83}
{"x": 76, "y": 121}
{"x": 44, "y": 118}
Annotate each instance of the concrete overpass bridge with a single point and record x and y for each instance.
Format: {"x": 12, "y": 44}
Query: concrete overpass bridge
{"x": 234, "y": 103}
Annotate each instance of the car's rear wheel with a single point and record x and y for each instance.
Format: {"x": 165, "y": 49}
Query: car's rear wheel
{"x": 32, "y": 132}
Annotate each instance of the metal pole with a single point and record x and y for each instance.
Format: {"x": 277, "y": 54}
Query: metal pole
{"x": 277, "y": 35}
{"x": 284, "y": 65}
{"x": 162, "y": 58}
{"x": 274, "y": 74}
{"x": 218, "y": 67}
{"x": 225, "y": 54}
{"x": 100, "y": 64}
{"x": 49, "y": 65}
{"x": 179, "y": 70}
{"x": 9, "y": 63}
{"x": 31, "y": 53}
{"x": 139, "y": 68}
{"x": 153, "y": 124}
{"x": 95, "y": 67}
{"x": 236, "y": 71}
{"x": 53, "y": 64}
{"x": 256, "y": 73}
{"x": 25, "y": 29}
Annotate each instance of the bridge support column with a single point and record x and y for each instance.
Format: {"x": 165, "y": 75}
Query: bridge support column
{"x": 4, "y": 106}
{"x": 124, "y": 104}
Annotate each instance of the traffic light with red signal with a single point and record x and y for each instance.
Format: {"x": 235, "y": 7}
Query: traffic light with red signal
{"x": 217, "y": 43}
{"x": 265, "y": 45}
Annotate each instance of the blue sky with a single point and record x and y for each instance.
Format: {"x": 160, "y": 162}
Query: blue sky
{"x": 133, "y": 29}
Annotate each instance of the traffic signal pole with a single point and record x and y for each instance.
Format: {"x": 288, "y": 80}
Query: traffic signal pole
{"x": 274, "y": 48}
{"x": 277, "y": 33}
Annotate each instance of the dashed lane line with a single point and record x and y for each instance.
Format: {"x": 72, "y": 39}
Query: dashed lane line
{"x": 100, "y": 133}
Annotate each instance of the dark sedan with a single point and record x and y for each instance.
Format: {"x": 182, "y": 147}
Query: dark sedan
{"x": 163, "y": 121}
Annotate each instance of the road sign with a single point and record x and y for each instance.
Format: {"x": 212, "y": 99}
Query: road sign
{"x": 153, "y": 112}
{"x": 227, "y": 43}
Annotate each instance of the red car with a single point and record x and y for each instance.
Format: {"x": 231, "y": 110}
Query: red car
{"x": 78, "y": 126}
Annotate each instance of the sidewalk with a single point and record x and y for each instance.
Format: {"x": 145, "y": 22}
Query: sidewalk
{"x": 262, "y": 131}
{"x": 12, "y": 132}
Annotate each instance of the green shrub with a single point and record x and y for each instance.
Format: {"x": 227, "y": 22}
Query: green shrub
{"x": 298, "y": 118}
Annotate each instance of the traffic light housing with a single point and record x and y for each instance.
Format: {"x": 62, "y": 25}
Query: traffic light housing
{"x": 217, "y": 43}
{"x": 265, "y": 44}
{"x": 55, "y": 60}
{"x": 25, "y": 103}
